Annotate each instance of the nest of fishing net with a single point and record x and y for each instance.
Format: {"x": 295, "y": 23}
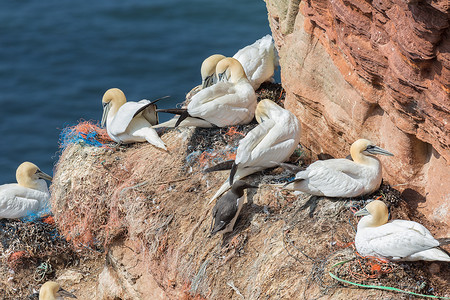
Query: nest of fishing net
{"x": 31, "y": 251}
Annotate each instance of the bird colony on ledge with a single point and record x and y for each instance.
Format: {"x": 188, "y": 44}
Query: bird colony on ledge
{"x": 227, "y": 97}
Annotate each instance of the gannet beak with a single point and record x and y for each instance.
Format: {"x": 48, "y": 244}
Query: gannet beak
{"x": 106, "y": 108}
{"x": 222, "y": 76}
{"x": 208, "y": 81}
{"x": 377, "y": 150}
{"x": 362, "y": 212}
{"x": 42, "y": 175}
{"x": 63, "y": 293}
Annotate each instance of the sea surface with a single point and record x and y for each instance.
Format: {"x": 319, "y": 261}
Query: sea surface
{"x": 58, "y": 57}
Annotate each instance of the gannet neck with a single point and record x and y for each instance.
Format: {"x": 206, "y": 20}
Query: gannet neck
{"x": 266, "y": 109}
{"x": 236, "y": 71}
{"x": 239, "y": 186}
{"x": 26, "y": 175}
{"x": 208, "y": 69}
{"x": 114, "y": 98}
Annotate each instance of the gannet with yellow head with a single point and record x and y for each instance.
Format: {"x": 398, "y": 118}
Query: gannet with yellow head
{"x": 271, "y": 142}
{"x": 129, "y": 122}
{"x": 53, "y": 291}
{"x": 258, "y": 60}
{"x": 208, "y": 73}
{"x": 342, "y": 177}
{"x": 400, "y": 240}
{"x": 28, "y": 196}
{"x": 231, "y": 101}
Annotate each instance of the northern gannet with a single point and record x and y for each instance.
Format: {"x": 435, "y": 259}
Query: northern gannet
{"x": 208, "y": 70}
{"x": 231, "y": 101}
{"x": 208, "y": 73}
{"x": 228, "y": 207}
{"x": 53, "y": 291}
{"x": 258, "y": 60}
{"x": 271, "y": 142}
{"x": 29, "y": 195}
{"x": 129, "y": 122}
{"x": 342, "y": 177}
{"x": 395, "y": 240}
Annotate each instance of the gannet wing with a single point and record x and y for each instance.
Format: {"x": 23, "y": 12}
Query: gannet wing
{"x": 398, "y": 241}
{"x": 319, "y": 178}
{"x": 251, "y": 140}
{"x": 17, "y": 201}
{"x": 125, "y": 114}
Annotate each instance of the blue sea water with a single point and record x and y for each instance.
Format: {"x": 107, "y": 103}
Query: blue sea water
{"x": 58, "y": 57}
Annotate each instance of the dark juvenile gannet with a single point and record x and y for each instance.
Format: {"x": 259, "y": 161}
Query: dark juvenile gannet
{"x": 129, "y": 122}
{"x": 342, "y": 177}
{"x": 271, "y": 142}
{"x": 53, "y": 291}
{"x": 401, "y": 240}
{"x": 29, "y": 195}
{"x": 228, "y": 207}
{"x": 258, "y": 60}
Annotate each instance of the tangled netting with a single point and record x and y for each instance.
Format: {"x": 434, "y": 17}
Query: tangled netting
{"x": 84, "y": 133}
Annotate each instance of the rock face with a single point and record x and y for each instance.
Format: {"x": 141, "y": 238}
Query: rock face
{"x": 378, "y": 70}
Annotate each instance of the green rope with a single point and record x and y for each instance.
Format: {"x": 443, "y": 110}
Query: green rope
{"x": 380, "y": 287}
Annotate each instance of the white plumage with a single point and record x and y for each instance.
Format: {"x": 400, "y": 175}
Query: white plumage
{"x": 28, "y": 196}
{"x": 342, "y": 177}
{"x": 395, "y": 240}
{"x": 258, "y": 60}
{"x": 228, "y": 102}
{"x": 271, "y": 142}
{"x": 129, "y": 122}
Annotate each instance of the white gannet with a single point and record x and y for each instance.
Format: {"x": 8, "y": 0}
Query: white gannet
{"x": 29, "y": 195}
{"x": 231, "y": 101}
{"x": 228, "y": 207}
{"x": 342, "y": 177}
{"x": 396, "y": 239}
{"x": 208, "y": 73}
{"x": 53, "y": 291}
{"x": 271, "y": 142}
{"x": 258, "y": 60}
{"x": 129, "y": 122}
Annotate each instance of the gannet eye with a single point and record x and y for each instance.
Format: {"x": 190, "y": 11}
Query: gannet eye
{"x": 370, "y": 147}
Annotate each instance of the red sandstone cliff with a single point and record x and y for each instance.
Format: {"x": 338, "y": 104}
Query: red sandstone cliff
{"x": 378, "y": 70}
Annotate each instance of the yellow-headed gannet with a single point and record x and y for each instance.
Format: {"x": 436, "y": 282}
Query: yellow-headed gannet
{"x": 29, "y": 195}
{"x": 228, "y": 207}
{"x": 342, "y": 177}
{"x": 53, "y": 291}
{"x": 271, "y": 142}
{"x": 129, "y": 122}
{"x": 396, "y": 239}
{"x": 208, "y": 70}
{"x": 231, "y": 101}
{"x": 208, "y": 73}
{"x": 258, "y": 60}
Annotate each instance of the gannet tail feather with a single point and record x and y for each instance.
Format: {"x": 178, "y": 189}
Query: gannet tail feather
{"x": 225, "y": 165}
{"x": 150, "y": 136}
{"x": 175, "y": 111}
{"x": 182, "y": 117}
{"x": 443, "y": 241}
